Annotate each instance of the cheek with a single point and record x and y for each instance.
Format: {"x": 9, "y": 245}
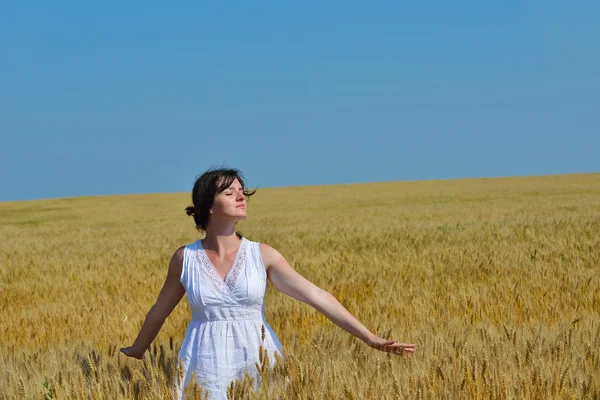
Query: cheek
{"x": 221, "y": 204}
{"x": 217, "y": 205}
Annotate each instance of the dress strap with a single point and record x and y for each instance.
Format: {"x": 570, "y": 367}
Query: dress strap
{"x": 257, "y": 260}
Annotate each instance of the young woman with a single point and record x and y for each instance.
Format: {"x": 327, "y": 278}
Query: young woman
{"x": 225, "y": 277}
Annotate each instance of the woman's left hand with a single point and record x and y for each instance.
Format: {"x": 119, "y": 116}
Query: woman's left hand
{"x": 131, "y": 352}
{"x": 391, "y": 345}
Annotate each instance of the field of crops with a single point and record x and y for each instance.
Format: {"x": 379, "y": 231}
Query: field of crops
{"x": 497, "y": 282}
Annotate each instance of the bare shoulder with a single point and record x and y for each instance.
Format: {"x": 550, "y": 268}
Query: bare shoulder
{"x": 176, "y": 263}
{"x": 269, "y": 255}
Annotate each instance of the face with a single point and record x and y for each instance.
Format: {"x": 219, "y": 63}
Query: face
{"x": 230, "y": 204}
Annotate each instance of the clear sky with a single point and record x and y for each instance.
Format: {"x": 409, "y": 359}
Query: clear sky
{"x": 141, "y": 98}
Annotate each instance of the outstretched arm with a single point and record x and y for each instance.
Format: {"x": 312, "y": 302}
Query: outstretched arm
{"x": 290, "y": 282}
{"x": 170, "y": 295}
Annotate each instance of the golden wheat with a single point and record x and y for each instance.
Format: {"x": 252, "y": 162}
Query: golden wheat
{"x": 495, "y": 280}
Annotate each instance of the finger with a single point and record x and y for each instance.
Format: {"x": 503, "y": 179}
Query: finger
{"x": 406, "y": 345}
{"x": 399, "y": 349}
{"x": 409, "y": 350}
{"x": 405, "y": 348}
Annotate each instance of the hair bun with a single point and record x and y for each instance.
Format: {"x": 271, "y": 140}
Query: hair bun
{"x": 190, "y": 211}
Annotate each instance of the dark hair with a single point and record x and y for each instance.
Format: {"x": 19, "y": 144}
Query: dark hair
{"x": 207, "y": 186}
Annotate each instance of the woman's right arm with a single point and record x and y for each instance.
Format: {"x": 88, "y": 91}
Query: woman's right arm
{"x": 170, "y": 295}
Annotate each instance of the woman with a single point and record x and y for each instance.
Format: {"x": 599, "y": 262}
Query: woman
{"x": 225, "y": 277}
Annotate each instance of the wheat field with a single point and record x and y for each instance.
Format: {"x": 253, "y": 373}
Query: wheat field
{"x": 495, "y": 280}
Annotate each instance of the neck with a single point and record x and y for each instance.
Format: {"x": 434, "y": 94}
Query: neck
{"x": 221, "y": 239}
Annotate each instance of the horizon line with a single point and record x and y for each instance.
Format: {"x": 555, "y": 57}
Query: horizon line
{"x": 307, "y": 186}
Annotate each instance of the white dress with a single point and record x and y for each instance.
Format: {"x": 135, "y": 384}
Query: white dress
{"x": 223, "y": 338}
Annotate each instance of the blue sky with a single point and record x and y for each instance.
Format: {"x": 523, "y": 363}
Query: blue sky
{"x": 141, "y": 98}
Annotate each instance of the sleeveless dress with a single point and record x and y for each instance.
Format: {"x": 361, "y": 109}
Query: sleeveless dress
{"x": 223, "y": 337}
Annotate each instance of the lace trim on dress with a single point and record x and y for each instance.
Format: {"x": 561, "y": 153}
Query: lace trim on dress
{"x": 238, "y": 264}
{"x": 231, "y": 277}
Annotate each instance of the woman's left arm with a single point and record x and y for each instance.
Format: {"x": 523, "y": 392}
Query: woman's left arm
{"x": 290, "y": 282}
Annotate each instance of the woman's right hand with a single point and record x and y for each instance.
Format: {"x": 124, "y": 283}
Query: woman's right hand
{"x": 168, "y": 298}
{"x": 131, "y": 352}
